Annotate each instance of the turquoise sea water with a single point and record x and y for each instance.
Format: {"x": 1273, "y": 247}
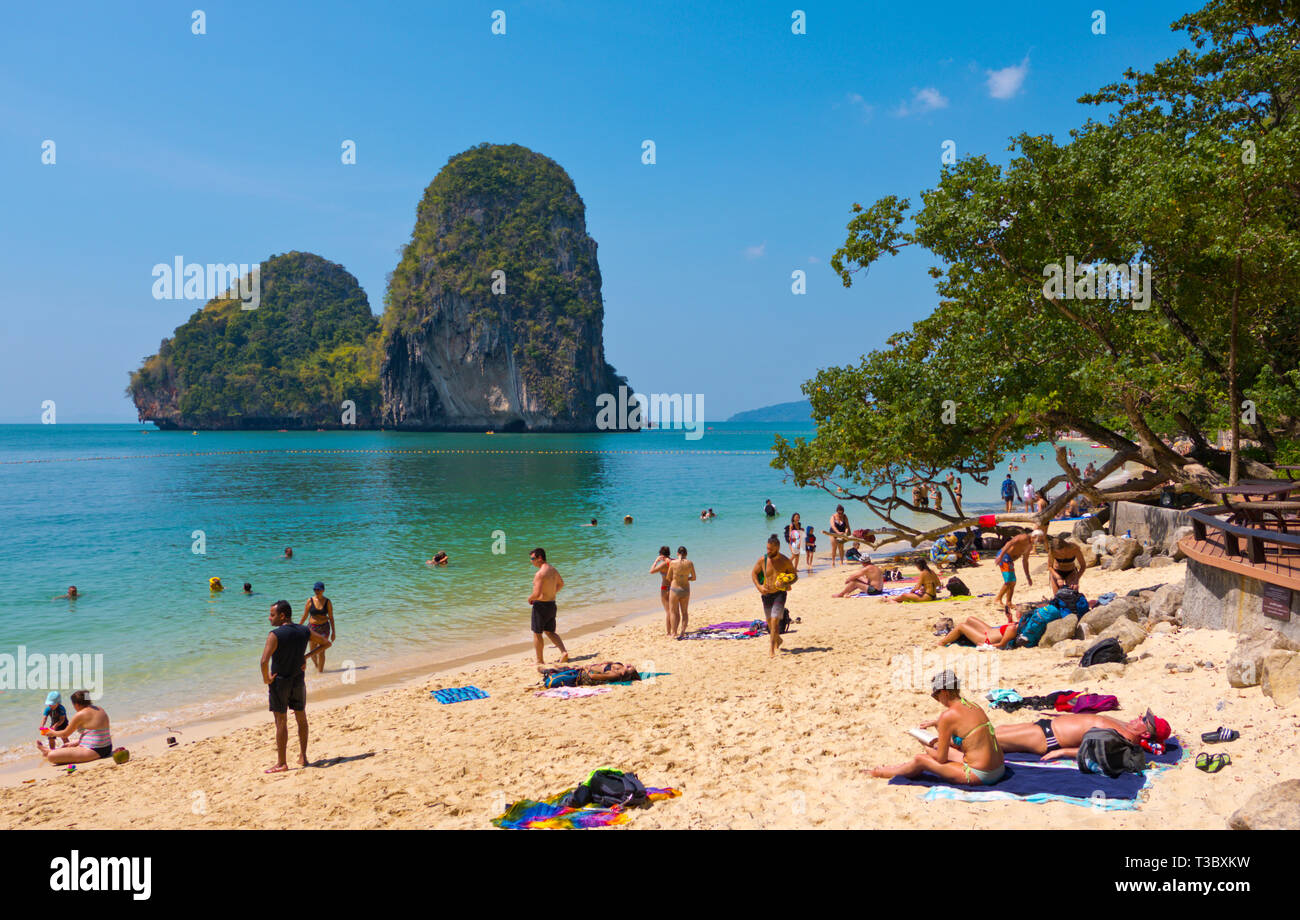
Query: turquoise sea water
{"x": 113, "y": 509}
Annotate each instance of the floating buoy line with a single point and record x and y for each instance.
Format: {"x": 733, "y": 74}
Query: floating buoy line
{"x": 379, "y": 450}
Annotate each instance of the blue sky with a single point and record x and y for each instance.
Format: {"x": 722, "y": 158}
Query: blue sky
{"x": 226, "y": 147}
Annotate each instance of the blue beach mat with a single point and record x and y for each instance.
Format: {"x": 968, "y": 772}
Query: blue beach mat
{"x": 458, "y": 694}
{"x": 1028, "y": 780}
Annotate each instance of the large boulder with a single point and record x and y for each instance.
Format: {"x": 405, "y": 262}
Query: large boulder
{"x": 1166, "y": 602}
{"x": 1126, "y": 632}
{"x": 1276, "y": 808}
{"x": 1128, "y": 550}
{"x": 1073, "y": 648}
{"x": 1171, "y": 545}
{"x": 1084, "y": 529}
{"x": 1059, "y": 631}
{"x": 1281, "y": 677}
{"x": 1159, "y": 562}
{"x": 1097, "y": 619}
{"x": 1142, "y": 561}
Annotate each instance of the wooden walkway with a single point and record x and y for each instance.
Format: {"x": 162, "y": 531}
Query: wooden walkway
{"x": 1280, "y": 566}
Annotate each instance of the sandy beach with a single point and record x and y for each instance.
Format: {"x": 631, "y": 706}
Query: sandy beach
{"x": 751, "y": 743}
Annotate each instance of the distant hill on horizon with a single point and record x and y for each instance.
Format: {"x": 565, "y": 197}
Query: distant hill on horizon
{"x": 797, "y": 411}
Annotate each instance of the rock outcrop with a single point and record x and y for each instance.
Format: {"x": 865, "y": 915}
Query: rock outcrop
{"x": 309, "y": 346}
{"x": 494, "y": 316}
{"x": 1276, "y": 808}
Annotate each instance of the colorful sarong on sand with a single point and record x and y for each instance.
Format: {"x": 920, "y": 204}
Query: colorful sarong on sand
{"x": 528, "y": 815}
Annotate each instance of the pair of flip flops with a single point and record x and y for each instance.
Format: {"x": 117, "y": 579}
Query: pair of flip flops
{"x": 1212, "y": 763}
{"x": 1220, "y": 735}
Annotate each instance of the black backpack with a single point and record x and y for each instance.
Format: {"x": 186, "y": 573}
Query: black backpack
{"x": 1104, "y": 651}
{"x": 1104, "y": 750}
{"x": 608, "y": 788}
{"x": 957, "y": 587}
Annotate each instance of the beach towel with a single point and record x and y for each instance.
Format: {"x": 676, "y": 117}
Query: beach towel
{"x": 1029, "y": 780}
{"x": 1002, "y": 696}
{"x": 458, "y": 695}
{"x": 891, "y": 589}
{"x": 728, "y": 631}
{"x": 570, "y": 693}
{"x": 551, "y": 815}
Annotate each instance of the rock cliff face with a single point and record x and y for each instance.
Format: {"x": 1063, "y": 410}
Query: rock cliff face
{"x": 494, "y": 317}
{"x": 310, "y": 345}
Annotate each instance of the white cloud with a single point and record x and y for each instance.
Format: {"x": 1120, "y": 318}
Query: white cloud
{"x": 864, "y": 108}
{"x": 1005, "y": 83}
{"x": 755, "y": 252}
{"x": 923, "y": 100}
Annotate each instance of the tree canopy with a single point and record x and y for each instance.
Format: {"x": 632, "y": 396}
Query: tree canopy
{"x": 1195, "y": 174}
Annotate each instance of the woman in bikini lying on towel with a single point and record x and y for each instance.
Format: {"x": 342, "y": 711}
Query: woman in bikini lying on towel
{"x": 980, "y": 633}
{"x": 962, "y": 724}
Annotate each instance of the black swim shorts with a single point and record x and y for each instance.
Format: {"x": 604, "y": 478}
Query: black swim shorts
{"x": 543, "y": 616}
{"x": 774, "y": 605}
{"x": 1046, "y": 726}
{"x": 285, "y": 693}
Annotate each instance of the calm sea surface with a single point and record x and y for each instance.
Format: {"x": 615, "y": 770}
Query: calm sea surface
{"x": 114, "y": 509}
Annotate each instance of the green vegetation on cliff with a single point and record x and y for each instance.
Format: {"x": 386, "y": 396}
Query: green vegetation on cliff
{"x": 311, "y": 344}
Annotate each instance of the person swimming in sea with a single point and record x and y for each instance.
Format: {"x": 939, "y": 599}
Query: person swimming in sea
{"x": 72, "y": 594}
{"x": 769, "y": 509}
{"x": 288, "y": 553}
{"x": 592, "y": 524}
{"x": 214, "y": 584}
{"x": 248, "y": 587}
{"x": 440, "y": 558}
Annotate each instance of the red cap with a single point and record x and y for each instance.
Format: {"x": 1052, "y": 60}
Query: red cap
{"x": 1157, "y": 727}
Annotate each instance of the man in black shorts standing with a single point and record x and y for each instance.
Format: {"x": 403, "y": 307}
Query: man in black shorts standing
{"x": 546, "y": 583}
{"x": 767, "y": 579}
{"x": 286, "y": 680}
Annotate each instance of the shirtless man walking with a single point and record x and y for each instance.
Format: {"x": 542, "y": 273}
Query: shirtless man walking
{"x": 1018, "y": 547}
{"x": 764, "y": 576}
{"x": 546, "y": 583}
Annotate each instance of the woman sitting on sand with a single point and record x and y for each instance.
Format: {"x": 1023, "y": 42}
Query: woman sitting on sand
{"x": 977, "y": 632}
{"x": 96, "y": 741}
{"x": 962, "y": 725}
{"x": 927, "y": 589}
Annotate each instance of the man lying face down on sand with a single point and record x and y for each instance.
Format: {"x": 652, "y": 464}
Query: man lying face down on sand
{"x": 1060, "y": 735}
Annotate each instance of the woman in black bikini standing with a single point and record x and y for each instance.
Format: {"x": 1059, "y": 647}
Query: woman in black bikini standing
{"x": 320, "y": 610}
{"x": 839, "y": 524}
{"x": 1065, "y": 563}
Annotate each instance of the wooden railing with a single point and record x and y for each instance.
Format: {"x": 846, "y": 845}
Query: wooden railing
{"x": 1257, "y": 539}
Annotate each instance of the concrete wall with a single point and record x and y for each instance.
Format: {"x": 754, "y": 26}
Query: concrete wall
{"x": 1148, "y": 522}
{"x": 1215, "y": 599}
